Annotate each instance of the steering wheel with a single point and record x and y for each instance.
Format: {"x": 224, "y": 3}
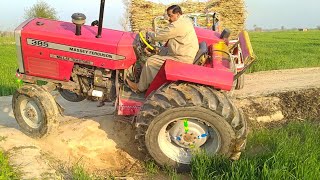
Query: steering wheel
{"x": 145, "y": 41}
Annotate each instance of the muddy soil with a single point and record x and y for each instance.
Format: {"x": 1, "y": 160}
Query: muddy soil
{"x": 87, "y": 134}
{"x": 91, "y": 136}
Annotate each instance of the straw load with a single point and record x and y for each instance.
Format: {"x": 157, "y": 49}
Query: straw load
{"x": 231, "y": 13}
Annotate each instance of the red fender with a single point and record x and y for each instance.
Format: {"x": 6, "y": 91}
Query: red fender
{"x": 219, "y": 77}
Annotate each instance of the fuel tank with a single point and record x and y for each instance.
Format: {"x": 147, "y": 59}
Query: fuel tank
{"x": 49, "y": 49}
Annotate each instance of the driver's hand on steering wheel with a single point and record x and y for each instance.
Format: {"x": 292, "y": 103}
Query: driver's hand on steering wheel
{"x": 147, "y": 51}
{"x": 157, "y": 50}
{"x": 150, "y": 52}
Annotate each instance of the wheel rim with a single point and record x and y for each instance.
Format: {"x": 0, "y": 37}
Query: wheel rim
{"x": 30, "y": 112}
{"x": 179, "y": 138}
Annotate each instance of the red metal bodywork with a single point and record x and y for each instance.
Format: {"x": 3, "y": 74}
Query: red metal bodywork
{"x": 37, "y": 60}
{"x": 219, "y": 77}
{"x": 208, "y": 36}
{"x": 128, "y": 107}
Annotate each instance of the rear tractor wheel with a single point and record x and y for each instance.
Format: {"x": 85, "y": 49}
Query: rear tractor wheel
{"x": 35, "y": 110}
{"x": 180, "y": 118}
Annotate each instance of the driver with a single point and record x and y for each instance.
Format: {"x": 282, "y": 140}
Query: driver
{"x": 182, "y": 45}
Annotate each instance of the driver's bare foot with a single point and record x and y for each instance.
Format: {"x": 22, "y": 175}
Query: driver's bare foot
{"x": 133, "y": 86}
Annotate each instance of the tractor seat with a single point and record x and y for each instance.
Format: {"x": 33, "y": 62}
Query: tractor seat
{"x": 203, "y": 50}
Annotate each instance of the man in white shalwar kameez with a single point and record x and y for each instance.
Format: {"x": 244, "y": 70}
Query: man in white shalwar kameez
{"x": 182, "y": 45}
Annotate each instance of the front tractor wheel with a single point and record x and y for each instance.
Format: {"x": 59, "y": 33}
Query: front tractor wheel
{"x": 35, "y": 110}
{"x": 181, "y": 118}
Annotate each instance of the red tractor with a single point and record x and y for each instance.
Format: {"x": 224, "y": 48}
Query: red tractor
{"x": 185, "y": 108}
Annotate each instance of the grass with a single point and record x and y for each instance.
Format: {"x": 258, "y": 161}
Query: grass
{"x": 151, "y": 168}
{"x": 7, "y": 40}
{"x": 153, "y": 171}
{"x": 290, "y": 152}
{"x": 285, "y": 50}
{"x": 8, "y": 66}
{"x": 79, "y": 173}
{"x": 6, "y": 171}
{"x": 172, "y": 173}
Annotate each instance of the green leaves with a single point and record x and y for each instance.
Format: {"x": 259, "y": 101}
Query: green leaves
{"x": 41, "y": 10}
{"x": 6, "y": 171}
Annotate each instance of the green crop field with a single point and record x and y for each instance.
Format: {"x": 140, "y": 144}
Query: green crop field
{"x": 290, "y": 152}
{"x": 8, "y": 66}
{"x": 275, "y": 50}
{"x": 285, "y": 50}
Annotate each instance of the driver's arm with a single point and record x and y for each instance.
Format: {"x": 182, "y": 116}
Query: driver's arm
{"x": 167, "y": 33}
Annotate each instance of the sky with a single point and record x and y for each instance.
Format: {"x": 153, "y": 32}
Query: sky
{"x": 262, "y": 13}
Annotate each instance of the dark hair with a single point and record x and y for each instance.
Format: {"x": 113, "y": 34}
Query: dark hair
{"x": 175, "y": 9}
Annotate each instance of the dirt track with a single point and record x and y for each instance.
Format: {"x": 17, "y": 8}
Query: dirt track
{"x": 91, "y": 135}
{"x": 268, "y": 82}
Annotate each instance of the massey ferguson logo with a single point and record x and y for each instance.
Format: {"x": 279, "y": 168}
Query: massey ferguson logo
{"x": 90, "y": 52}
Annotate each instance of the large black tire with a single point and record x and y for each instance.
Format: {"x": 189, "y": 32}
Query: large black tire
{"x": 35, "y": 110}
{"x": 71, "y": 96}
{"x": 210, "y": 106}
{"x": 240, "y": 82}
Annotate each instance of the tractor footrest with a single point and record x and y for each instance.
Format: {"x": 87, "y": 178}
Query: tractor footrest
{"x": 126, "y": 93}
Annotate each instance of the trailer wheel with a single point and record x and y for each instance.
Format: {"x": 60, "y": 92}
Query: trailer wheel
{"x": 35, "y": 110}
{"x": 180, "y": 118}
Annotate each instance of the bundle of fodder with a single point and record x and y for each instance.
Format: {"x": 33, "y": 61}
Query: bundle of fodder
{"x": 231, "y": 13}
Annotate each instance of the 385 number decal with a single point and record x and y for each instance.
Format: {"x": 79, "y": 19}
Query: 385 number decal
{"x": 38, "y": 43}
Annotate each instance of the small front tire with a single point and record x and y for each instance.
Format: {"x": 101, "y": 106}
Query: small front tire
{"x": 35, "y": 110}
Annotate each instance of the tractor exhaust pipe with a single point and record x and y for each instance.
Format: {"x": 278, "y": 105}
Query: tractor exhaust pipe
{"x": 101, "y": 18}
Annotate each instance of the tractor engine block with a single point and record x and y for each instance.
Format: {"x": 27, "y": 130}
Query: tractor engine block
{"x": 91, "y": 80}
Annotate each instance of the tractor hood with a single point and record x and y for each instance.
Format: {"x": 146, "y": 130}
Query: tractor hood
{"x": 51, "y": 39}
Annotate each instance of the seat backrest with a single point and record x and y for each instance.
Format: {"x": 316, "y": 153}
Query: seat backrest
{"x": 203, "y": 49}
